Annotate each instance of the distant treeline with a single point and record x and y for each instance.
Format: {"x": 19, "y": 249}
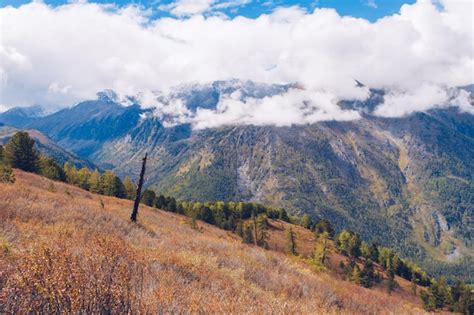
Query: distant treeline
{"x": 249, "y": 220}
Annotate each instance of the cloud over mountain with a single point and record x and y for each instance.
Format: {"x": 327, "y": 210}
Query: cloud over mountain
{"x": 60, "y": 55}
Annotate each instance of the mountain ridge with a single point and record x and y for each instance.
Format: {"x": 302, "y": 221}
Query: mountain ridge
{"x": 404, "y": 182}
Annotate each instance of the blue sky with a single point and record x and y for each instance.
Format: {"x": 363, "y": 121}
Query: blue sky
{"x": 368, "y": 9}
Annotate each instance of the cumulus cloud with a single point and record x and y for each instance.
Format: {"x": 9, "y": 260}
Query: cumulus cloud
{"x": 57, "y": 56}
{"x": 183, "y": 8}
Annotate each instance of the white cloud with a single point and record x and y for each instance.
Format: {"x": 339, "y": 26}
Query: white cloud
{"x": 60, "y": 55}
{"x": 371, "y": 3}
{"x": 188, "y": 7}
{"x": 295, "y": 107}
{"x": 185, "y": 8}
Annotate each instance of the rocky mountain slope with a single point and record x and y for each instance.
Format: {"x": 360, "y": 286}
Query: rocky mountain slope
{"x": 46, "y": 146}
{"x": 404, "y": 182}
{"x": 54, "y": 234}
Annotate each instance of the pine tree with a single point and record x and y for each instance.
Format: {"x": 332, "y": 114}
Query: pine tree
{"x": 49, "y": 168}
{"x": 161, "y": 202}
{"x": 262, "y": 227}
{"x": 148, "y": 197}
{"x": 321, "y": 249}
{"x": 239, "y": 229}
{"x": 130, "y": 188}
{"x": 323, "y": 226}
{"x": 367, "y": 274}
{"x": 94, "y": 182}
{"x": 413, "y": 283}
{"x": 20, "y": 152}
{"x": 355, "y": 274}
{"x": 306, "y": 221}
{"x": 254, "y": 223}
{"x": 291, "y": 242}
{"x": 111, "y": 185}
{"x": 248, "y": 234}
{"x": 391, "y": 283}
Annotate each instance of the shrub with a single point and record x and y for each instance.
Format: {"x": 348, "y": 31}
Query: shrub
{"x": 6, "y": 174}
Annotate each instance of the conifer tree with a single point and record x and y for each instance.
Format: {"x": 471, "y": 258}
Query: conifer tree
{"x": 262, "y": 227}
{"x": 323, "y": 226}
{"x": 148, "y": 197}
{"x": 239, "y": 229}
{"x": 413, "y": 283}
{"x": 130, "y": 188}
{"x": 306, "y": 221}
{"x": 291, "y": 242}
{"x": 111, "y": 185}
{"x": 367, "y": 274}
{"x": 20, "y": 152}
{"x": 49, "y": 168}
{"x": 248, "y": 234}
{"x": 254, "y": 223}
{"x": 390, "y": 280}
{"x": 321, "y": 248}
{"x": 94, "y": 182}
{"x": 355, "y": 274}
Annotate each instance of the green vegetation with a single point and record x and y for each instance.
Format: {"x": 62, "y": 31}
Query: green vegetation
{"x": 291, "y": 242}
{"x": 234, "y": 216}
{"x": 20, "y": 152}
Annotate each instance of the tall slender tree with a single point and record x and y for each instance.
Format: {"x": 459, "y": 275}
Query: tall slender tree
{"x": 134, "y": 215}
{"x": 291, "y": 242}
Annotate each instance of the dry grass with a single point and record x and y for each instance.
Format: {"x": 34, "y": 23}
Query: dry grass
{"x": 62, "y": 252}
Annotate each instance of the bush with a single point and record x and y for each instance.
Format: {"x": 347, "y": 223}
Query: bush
{"x": 6, "y": 174}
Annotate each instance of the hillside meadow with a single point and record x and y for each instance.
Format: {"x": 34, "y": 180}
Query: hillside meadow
{"x": 65, "y": 250}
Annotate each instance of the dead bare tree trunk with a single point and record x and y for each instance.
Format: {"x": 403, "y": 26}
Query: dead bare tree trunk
{"x": 134, "y": 215}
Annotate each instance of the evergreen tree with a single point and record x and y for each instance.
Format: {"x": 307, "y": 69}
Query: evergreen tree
{"x": 262, "y": 227}
{"x": 94, "y": 182}
{"x": 282, "y": 215}
{"x": 239, "y": 229}
{"x": 367, "y": 274}
{"x": 355, "y": 274}
{"x": 429, "y": 302}
{"x": 291, "y": 242}
{"x": 49, "y": 168}
{"x": 306, "y": 221}
{"x": 413, "y": 283}
{"x": 321, "y": 249}
{"x": 161, "y": 202}
{"x": 82, "y": 178}
{"x": 324, "y": 226}
{"x": 20, "y": 152}
{"x": 348, "y": 243}
{"x": 391, "y": 283}
{"x": 111, "y": 185}
{"x": 248, "y": 234}
{"x": 130, "y": 188}
{"x": 148, "y": 197}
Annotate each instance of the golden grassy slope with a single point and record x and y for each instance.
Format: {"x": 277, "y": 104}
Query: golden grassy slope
{"x": 62, "y": 251}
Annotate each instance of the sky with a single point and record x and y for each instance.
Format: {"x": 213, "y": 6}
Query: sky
{"x": 57, "y": 53}
{"x": 367, "y": 9}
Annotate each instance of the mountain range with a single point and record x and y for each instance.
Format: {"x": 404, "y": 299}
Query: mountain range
{"x": 403, "y": 182}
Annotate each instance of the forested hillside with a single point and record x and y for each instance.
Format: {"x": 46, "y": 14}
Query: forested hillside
{"x": 54, "y": 234}
{"x": 401, "y": 182}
